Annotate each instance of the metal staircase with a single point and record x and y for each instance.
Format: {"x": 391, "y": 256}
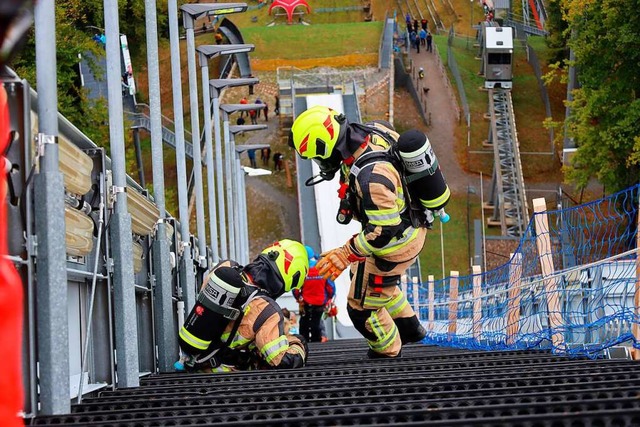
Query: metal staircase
{"x": 141, "y": 120}
{"x": 508, "y": 198}
{"x": 341, "y": 386}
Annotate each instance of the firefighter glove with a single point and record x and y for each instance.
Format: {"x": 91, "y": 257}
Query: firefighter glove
{"x": 332, "y": 263}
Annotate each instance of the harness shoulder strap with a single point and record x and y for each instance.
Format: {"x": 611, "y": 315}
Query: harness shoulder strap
{"x": 367, "y": 160}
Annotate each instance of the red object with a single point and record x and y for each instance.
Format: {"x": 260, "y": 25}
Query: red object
{"x": 342, "y": 191}
{"x": 289, "y": 6}
{"x": 11, "y": 393}
{"x": 316, "y": 290}
{"x": 332, "y": 311}
{"x": 536, "y": 17}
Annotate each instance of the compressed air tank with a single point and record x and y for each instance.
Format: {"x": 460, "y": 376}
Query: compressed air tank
{"x": 422, "y": 171}
{"x": 216, "y": 305}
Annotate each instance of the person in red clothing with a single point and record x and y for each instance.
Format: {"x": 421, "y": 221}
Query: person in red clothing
{"x": 315, "y": 296}
{"x": 243, "y": 101}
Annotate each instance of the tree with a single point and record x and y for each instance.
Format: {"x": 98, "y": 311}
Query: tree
{"x": 557, "y": 26}
{"x": 605, "y": 120}
{"x": 73, "y": 38}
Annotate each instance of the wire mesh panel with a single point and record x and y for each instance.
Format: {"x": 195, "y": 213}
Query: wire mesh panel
{"x": 569, "y": 286}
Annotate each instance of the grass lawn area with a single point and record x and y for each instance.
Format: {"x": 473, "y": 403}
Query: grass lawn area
{"x": 457, "y": 244}
{"x": 293, "y": 42}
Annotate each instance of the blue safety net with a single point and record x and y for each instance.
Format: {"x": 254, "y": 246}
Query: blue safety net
{"x": 569, "y": 287}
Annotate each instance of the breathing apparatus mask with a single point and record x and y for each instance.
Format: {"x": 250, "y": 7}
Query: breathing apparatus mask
{"x": 328, "y": 169}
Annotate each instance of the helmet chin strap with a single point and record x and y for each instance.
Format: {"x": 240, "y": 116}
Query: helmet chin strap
{"x": 317, "y": 179}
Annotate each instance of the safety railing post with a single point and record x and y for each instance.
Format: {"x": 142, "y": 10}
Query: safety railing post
{"x": 432, "y": 311}
{"x": 403, "y": 284}
{"x": 513, "y": 304}
{"x": 636, "y": 299}
{"x": 477, "y": 302}
{"x": 543, "y": 244}
{"x": 416, "y": 296}
{"x": 453, "y": 304}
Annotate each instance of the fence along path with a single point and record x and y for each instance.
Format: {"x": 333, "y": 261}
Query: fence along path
{"x": 572, "y": 286}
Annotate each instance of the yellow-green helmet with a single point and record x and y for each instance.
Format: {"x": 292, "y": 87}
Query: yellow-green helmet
{"x": 319, "y": 134}
{"x": 290, "y": 261}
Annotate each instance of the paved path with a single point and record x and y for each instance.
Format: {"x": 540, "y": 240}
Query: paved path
{"x": 441, "y": 109}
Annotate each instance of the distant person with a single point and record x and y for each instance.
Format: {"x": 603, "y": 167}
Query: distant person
{"x": 429, "y": 42}
{"x": 408, "y": 19}
{"x": 258, "y": 102}
{"x": 218, "y": 37}
{"x": 412, "y": 37}
{"x": 423, "y": 37}
{"x": 240, "y": 121}
{"x": 243, "y": 101}
{"x": 424, "y": 24}
{"x": 252, "y": 158}
{"x": 277, "y": 109}
{"x": 266, "y": 112}
{"x": 100, "y": 39}
{"x": 416, "y": 25}
{"x": 253, "y": 115}
{"x": 265, "y": 154}
{"x": 313, "y": 298}
{"x": 290, "y": 322}
{"x": 278, "y": 161}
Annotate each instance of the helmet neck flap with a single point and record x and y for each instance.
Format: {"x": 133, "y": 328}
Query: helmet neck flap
{"x": 264, "y": 274}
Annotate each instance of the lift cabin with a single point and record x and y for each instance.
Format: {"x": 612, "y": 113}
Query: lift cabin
{"x": 498, "y": 57}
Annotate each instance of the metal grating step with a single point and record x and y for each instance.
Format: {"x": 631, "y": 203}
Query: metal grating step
{"x": 428, "y": 385}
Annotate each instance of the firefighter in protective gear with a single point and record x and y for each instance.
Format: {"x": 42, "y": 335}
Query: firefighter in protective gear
{"x": 388, "y": 243}
{"x": 236, "y": 323}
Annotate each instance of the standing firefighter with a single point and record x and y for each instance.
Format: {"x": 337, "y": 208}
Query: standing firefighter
{"x": 236, "y": 323}
{"x": 374, "y": 190}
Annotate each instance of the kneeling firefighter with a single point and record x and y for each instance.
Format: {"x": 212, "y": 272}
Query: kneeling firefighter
{"x": 375, "y": 189}
{"x": 236, "y": 323}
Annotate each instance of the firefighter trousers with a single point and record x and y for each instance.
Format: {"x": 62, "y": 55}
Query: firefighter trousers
{"x": 376, "y": 305}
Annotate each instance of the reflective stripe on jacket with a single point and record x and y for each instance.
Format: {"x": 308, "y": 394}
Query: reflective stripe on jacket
{"x": 262, "y": 328}
{"x": 381, "y": 206}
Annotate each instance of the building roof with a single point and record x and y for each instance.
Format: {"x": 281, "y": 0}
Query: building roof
{"x": 499, "y": 38}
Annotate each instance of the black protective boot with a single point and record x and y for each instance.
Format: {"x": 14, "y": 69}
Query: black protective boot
{"x": 373, "y": 355}
{"x": 411, "y": 330}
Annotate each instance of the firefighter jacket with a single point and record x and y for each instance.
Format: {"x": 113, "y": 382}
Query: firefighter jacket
{"x": 316, "y": 290}
{"x": 378, "y": 201}
{"x": 260, "y": 340}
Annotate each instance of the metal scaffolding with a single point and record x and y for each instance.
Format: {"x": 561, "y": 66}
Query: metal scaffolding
{"x": 508, "y": 198}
